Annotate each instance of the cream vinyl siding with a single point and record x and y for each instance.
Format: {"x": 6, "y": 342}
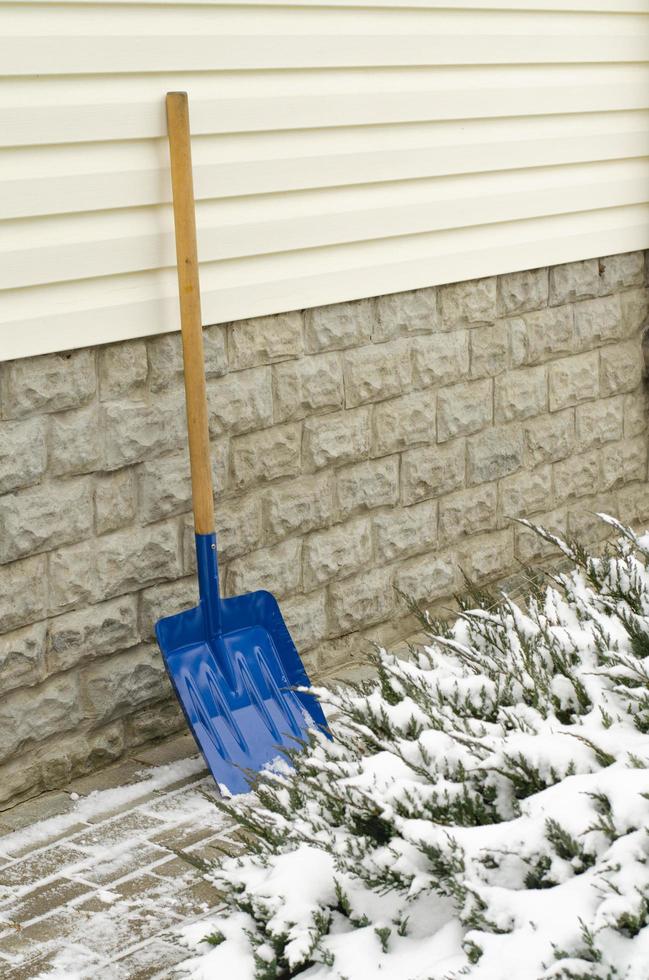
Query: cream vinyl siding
{"x": 340, "y": 151}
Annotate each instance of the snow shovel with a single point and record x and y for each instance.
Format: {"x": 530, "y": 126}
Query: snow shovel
{"x": 232, "y": 661}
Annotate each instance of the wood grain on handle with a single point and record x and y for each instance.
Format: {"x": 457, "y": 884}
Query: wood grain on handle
{"x": 190, "y": 310}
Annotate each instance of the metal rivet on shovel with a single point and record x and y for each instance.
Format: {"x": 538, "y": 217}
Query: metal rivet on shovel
{"x": 232, "y": 662}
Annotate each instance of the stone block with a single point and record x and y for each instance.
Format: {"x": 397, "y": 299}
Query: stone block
{"x": 23, "y": 592}
{"x": 635, "y": 311}
{"x": 621, "y": 271}
{"x": 521, "y": 394}
{"x": 550, "y": 437}
{"x": 84, "y": 634}
{"x": 597, "y": 322}
{"x": 132, "y": 559}
{"x": 364, "y": 486}
{"x": 432, "y": 471}
{"x": 135, "y": 431}
{"x": 165, "y": 599}
{"x": 526, "y": 492}
{"x": 530, "y": 546}
{"x": 278, "y": 569}
{"x": 72, "y": 577}
{"x": 164, "y": 487}
{"x": 337, "y": 552}
{"x": 440, "y": 359}
{"x": 400, "y": 314}
{"x": 633, "y": 505}
{"x": 50, "y": 383}
{"x": 490, "y": 350}
{"x": 488, "y": 557}
{"x": 494, "y": 453}
{"x": 166, "y": 357}
{"x": 574, "y": 281}
{"x": 621, "y": 368}
{"x": 23, "y": 454}
{"x": 361, "y": 600}
{"x": 584, "y": 522}
{"x": 468, "y": 303}
{"x": 522, "y": 292}
{"x": 405, "y": 531}
{"x": 574, "y": 379}
{"x": 123, "y": 369}
{"x": 538, "y": 337}
{"x": 114, "y": 500}
{"x": 75, "y": 441}
{"x": 154, "y": 721}
{"x": 342, "y": 437}
{"x": 599, "y": 422}
{"x": 35, "y": 713}
{"x": 376, "y": 372}
{"x": 636, "y": 413}
{"x": 240, "y": 402}
{"x": 467, "y": 512}
{"x": 114, "y": 688}
{"x": 623, "y": 462}
{"x": 428, "y": 578}
{"x": 338, "y": 325}
{"x": 298, "y": 506}
{"x": 311, "y": 384}
{"x": 22, "y": 656}
{"x": 464, "y": 408}
{"x": 40, "y": 518}
{"x": 403, "y": 422}
{"x": 264, "y": 339}
{"x": 306, "y": 619}
{"x": 576, "y": 477}
{"x": 267, "y": 455}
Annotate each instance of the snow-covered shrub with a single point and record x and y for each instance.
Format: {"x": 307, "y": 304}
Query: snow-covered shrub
{"x": 483, "y": 811}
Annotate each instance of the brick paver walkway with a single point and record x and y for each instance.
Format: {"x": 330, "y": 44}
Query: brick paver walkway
{"x": 96, "y": 880}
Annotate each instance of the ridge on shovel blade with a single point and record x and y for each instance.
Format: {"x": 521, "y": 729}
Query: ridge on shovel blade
{"x": 232, "y": 663}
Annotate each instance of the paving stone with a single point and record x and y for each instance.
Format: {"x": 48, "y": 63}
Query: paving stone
{"x": 151, "y": 960}
{"x": 47, "y": 898}
{"x": 61, "y": 858}
{"x": 199, "y": 899}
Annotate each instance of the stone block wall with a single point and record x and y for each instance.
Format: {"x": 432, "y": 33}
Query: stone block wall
{"x": 358, "y": 449}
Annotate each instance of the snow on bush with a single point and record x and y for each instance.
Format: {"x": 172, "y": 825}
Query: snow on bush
{"x": 483, "y": 811}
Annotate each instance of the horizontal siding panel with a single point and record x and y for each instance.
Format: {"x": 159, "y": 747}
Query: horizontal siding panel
{"x": 89, "y": 123}
{"x": 556, "y": 6}
{"x": 90, "y": 54}
{"x": 34, "y": 196}
{"x": 341, "y": 150}
{"x": 81, "y": 314}
{"x": 67, "y": 248}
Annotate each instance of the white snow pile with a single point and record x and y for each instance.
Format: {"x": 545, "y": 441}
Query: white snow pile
{"x": 483, "y": 811}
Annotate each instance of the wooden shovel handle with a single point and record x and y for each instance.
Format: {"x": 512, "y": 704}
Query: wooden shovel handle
{"x": 190, "y": 310}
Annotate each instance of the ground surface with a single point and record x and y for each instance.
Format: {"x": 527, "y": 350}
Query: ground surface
{"x": 91, "y": 884}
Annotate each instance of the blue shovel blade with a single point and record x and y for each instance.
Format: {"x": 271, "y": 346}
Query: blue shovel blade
{"x": 235, "y": 686}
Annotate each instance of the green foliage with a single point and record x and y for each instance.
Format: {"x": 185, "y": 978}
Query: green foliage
{"x": 429, "y": 791}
